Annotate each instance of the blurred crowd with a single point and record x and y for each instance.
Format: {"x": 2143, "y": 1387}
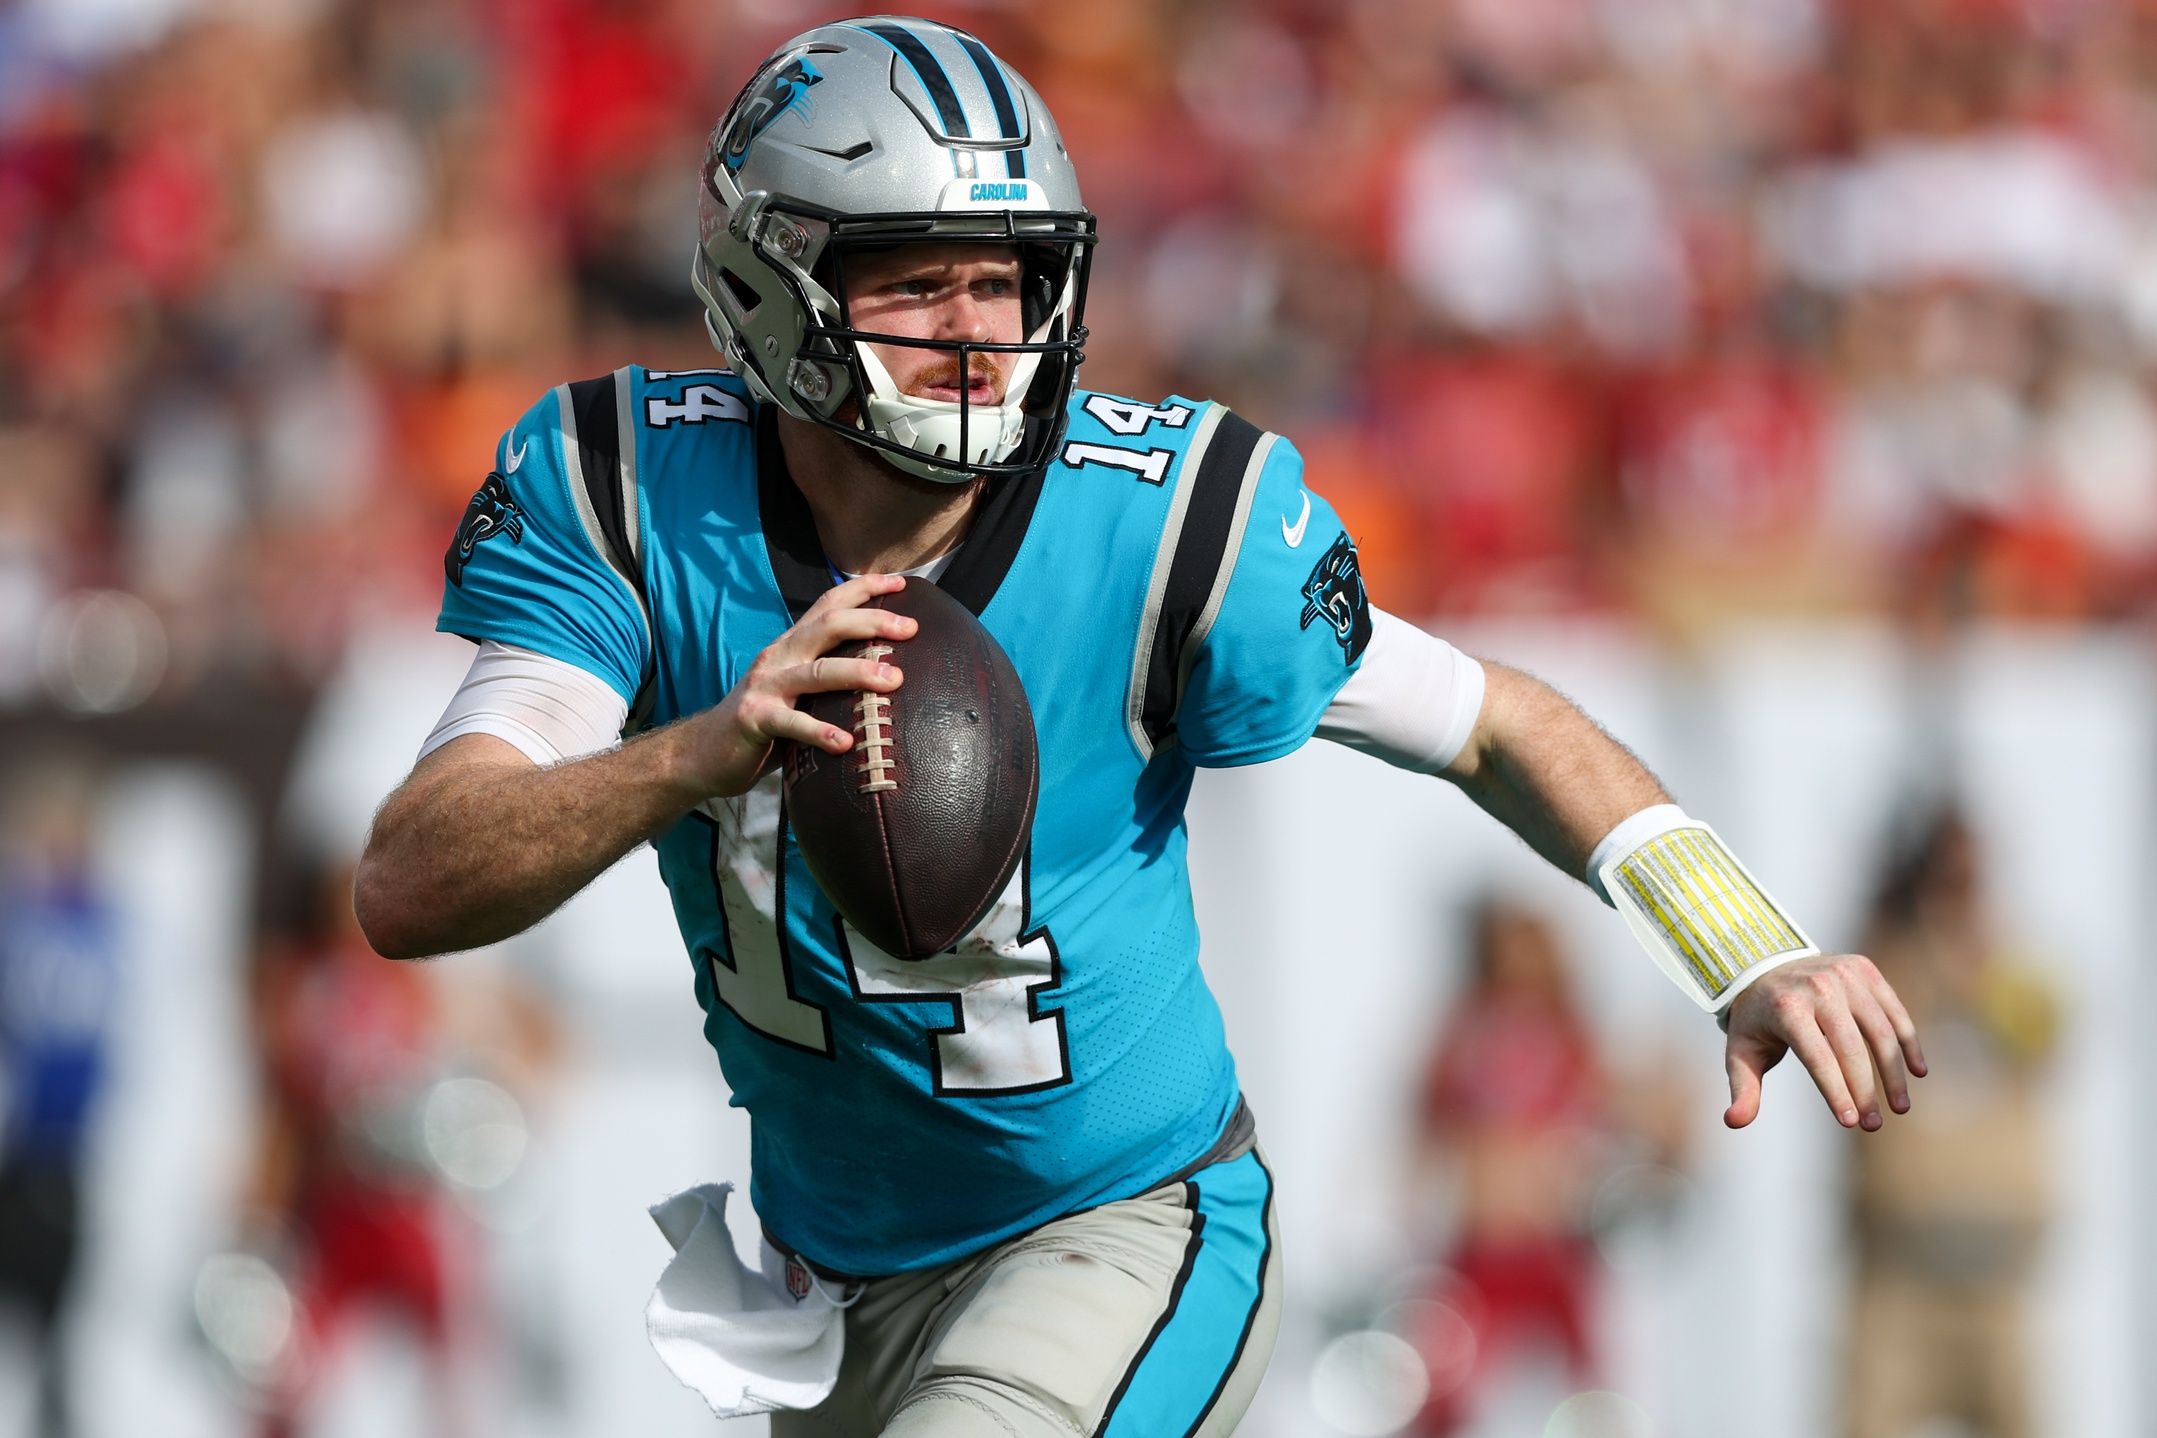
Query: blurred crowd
{"x": 1679, "y": 310}
{"x": 1547, "y": 1156}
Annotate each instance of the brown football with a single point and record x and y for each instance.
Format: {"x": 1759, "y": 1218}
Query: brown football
{"x": 915, "y": 831}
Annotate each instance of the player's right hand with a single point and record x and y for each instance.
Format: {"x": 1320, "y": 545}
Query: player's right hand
{"x": 730, "y": 745}
{"x": 1846, "y": 1025}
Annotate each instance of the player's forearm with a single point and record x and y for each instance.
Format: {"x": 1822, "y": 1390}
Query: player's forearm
{"x": 1544, "y": 769}
{"x": 469, "y": 854}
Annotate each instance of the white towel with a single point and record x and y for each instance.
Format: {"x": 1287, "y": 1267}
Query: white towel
{"x": 748, "y": 1342}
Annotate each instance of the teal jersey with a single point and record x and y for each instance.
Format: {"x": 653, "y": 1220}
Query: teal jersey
{"x": 1171, "y": 595}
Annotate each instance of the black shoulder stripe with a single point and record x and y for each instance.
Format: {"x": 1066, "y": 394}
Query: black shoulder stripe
{"x": 790, "y": 538}
{"x": 599, "y": 454}
{"x": 993, "y": 541}
{"x": 594, "y": 413}
{"x": 1201, "y": 553}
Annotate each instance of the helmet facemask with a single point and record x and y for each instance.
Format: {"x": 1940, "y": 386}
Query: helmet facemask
{"x": 1037, "y": 370}
{"x": 838, "y": 146}
{"x": 804, "y": 255}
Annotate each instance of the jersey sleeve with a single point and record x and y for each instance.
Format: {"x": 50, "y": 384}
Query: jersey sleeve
{"x": 530, "y": 563}
{"x": 1289, "y": 626}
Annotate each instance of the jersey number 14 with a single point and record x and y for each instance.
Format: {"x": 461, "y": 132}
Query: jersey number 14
{"x": 997, "y": 1041}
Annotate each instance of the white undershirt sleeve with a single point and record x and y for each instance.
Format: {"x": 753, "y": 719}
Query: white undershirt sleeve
{"x": 1412, "y": 703}
{"x": 546, "y": 709}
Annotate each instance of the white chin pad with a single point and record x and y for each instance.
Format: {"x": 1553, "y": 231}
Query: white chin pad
{"x": 930, "y": 427}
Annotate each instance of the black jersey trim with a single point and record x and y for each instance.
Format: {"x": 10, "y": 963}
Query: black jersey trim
{"x": 993, "y": 539}
{"x": 604, "y": 486}
{"x": 625, "y": 438}
{"x": 1238, "y": 523}
{"x": 1191, "y": 1248}
{"x": 599, "y": 458}
{"x": 631, "y": 511}
{"x": 798, "y": 564}
{"x": 1204, "y": 554}
{"x": 599, "y": 470}
{"x": 790, "y": 538}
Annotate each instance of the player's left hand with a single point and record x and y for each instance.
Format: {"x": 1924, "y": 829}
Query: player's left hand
{"x": 1848, "y": 1028}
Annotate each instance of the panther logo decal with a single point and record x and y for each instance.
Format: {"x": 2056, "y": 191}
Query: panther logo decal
{"x": 1334, "y": 593}
{"x": 491, "y": 512}
{"x": 783, "y": 90}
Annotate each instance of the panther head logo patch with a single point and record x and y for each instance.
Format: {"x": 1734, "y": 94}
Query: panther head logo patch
{"x": 491, "y": 512}
{"x": 779, "y": 92}
{"x": 1334, "y": 593}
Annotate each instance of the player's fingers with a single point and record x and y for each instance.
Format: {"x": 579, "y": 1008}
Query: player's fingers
{"x": 1848, "y": 1041}
{"x": 1880, "y": 1038}
{"x": 774, "y": 719}
{"x": 1814, "y": 1051}
{"x": 819, "y": 634}
{"x": 828, "y": 673}
{"x": 844, "y": 625}
{"x": 855, "y": 592}
{"x": 1905, "y": 1028}
{"x": 1745, "y": 1068}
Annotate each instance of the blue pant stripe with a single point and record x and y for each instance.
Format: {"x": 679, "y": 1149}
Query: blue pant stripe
{"x": 1186, "y": 1362}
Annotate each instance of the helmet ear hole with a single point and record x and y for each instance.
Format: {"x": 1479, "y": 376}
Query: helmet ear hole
{"x": 744, "y": 294}
{"x": 1040, "y": 269}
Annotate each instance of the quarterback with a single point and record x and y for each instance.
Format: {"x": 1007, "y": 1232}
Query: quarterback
{"x": 1013, "y": 1187}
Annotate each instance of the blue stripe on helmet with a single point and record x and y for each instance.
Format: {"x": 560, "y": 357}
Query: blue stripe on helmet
{"x": 1007, "y": 115}
{"x": 932, "y": 75}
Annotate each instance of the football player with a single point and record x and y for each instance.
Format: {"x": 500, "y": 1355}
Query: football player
{"x": 1023, "y": 1167}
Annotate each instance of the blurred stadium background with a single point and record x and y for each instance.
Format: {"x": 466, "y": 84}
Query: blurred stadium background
{"x": 1774, "y": 375}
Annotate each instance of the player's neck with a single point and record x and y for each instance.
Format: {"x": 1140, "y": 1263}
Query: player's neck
{"x": 871, "y": 518}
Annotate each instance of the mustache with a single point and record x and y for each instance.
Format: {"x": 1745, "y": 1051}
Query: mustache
{"x": 949, "y": 373}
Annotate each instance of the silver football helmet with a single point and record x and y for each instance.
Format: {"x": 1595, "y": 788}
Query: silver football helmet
{"x": 881, "y": 132}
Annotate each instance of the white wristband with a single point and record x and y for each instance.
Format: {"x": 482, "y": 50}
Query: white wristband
{"x": 1700, "y": 913}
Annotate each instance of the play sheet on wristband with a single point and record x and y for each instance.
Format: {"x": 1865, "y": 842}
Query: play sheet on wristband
{"x": 1700, "y": 912}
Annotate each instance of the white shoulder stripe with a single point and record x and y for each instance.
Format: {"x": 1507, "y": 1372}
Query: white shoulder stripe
{"x": 625, "y": 431}
{"x": 1164, "y": 559}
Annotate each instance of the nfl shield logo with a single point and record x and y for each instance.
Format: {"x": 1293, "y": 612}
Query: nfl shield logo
{"x": 797, "y": 1278}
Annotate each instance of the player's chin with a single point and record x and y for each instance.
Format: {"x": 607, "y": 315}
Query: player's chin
{"x": 916, "y": 484}
{"x": 848, "y": 413}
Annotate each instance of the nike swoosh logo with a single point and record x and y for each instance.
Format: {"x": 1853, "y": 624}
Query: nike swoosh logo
{"x": 1293, "y": 533}
{"x": 516, "y": 457}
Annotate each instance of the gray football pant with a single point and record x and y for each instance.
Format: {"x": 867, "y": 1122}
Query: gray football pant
{"x": 1152, "y": 1317}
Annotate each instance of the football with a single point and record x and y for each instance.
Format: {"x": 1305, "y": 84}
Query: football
{"x": 916, "y": 830}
